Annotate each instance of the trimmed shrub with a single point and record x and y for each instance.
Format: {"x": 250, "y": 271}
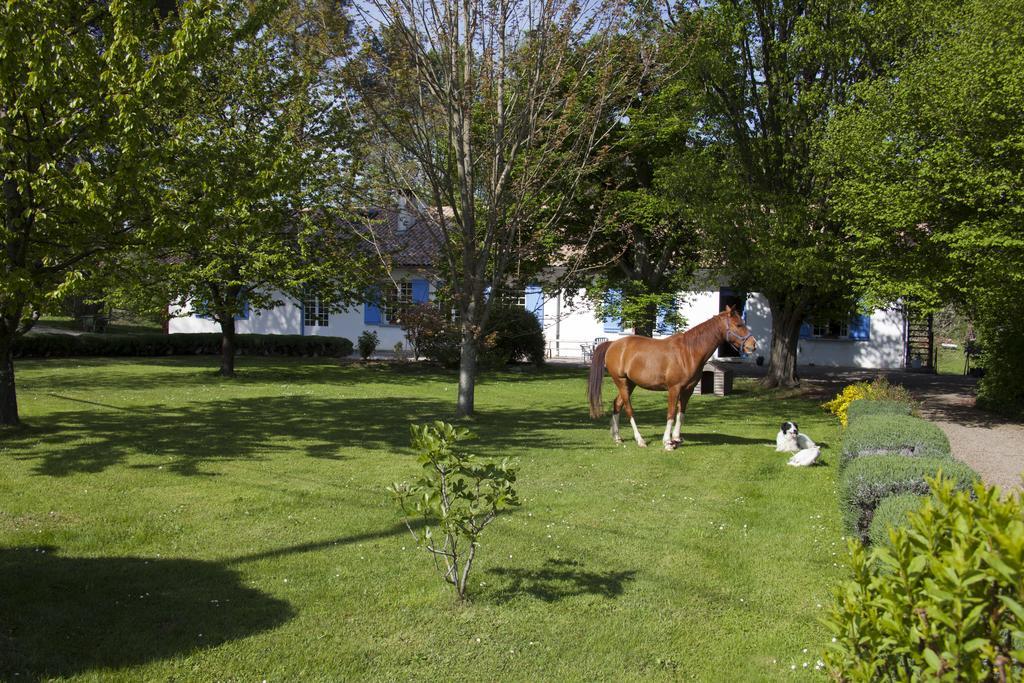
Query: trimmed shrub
{"x": 159, "y": 344}
{"x": 893, "y": 435}
{"x": 867, "y": 481}
{"x": 892, "y": 513}
{"x": 943, "y": 601}
{"x": 860, "y": 409}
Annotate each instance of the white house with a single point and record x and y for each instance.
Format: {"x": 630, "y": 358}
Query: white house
{"x": 875, "y": 341}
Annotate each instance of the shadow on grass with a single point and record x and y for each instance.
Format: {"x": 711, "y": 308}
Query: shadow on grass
{"x": 89, "y": 432}
{"x": 315, "y": 546}
{"x": 178, "y": 372}
{"x": 559, "y": 579}
{"x": 187, "y": 439}
{"x": 190, "y": 439}
{"x": 62, "y": 616}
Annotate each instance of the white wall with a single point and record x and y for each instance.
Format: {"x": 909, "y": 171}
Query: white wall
{"x": 288, "y": 319}
{"x": 566, "y": 328}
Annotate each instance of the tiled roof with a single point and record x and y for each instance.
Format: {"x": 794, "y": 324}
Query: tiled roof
{"x": 406, "y": 239}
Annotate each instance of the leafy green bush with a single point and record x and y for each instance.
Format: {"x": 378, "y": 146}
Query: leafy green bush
{"x": 458, "y": 494}
{"x": 867, "y": 481}
{"x": 442, "y": 346}
{"x": 943, "y": 601}
{"x": 1001, "y": 336}
{"x": 367, "y": 342}
{"x": 892, "y": 435}
{"x": 863, "y": 408}
{"x": 421, "y": 323}
{"x": 159, "y": 344}
{"x": 890, "y": 513}
{"x": 513, "y": 334}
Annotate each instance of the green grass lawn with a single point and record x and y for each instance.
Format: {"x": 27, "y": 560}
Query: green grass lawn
{"x": 951, "y": 361}
{"x": 123, "y": 325}
{"x": 159, "y": 523}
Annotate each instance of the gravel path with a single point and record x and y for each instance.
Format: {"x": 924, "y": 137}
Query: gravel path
{"x": 991, "y": 445}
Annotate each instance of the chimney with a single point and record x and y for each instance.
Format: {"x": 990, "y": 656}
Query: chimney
{"x": 407, "y": 211}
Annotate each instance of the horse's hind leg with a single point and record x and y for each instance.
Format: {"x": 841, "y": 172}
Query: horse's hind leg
{"x": 670, "y": 439}
{"x": 625, "y": 388}
{"x": 616, "y": 407}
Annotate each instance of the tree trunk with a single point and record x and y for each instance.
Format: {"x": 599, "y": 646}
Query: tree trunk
{"x": 8, "y": 394}
{"x": 467, "y": 371}
{"x": 645, "y": 327}
{"x": 786, "y": 321}
{"x": 227, "y": 347}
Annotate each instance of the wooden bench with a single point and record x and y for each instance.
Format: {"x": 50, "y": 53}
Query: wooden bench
{"x": 716, "y": 378}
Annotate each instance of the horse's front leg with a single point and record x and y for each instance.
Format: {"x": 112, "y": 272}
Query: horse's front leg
{"x": 684, "y": 398}
{"x": 669, "y": 439}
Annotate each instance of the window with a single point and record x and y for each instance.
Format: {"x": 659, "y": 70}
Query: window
{"x": 516, "y": 297}
{"x": 854, "y": 328}
{"x": 831, "y": 329}
{"x": 383, "y": 304}
{"x": 393, "y": 300}
{"x": 314, "y": 311}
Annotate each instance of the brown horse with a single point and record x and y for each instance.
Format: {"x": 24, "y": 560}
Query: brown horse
{"x": 673, "y": 364}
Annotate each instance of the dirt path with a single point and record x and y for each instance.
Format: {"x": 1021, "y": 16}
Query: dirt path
{"x": 991, "y": 445}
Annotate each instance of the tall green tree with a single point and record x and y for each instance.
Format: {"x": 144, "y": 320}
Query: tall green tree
{"x": 479, "y": 110}
{"x": 257, "y": 175}
{"x": 79, "y": 85}
{"x": 929, "y": 178}
{"x": 771, "y": 73}
{"x": 638, "y": 227}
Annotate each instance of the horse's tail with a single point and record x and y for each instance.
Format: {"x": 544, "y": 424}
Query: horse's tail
{"x": 597, "y": 379}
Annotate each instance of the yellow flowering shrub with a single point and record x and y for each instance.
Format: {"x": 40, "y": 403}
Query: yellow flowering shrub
{"x": 878, "y": 389}
{"x": 850, "y": 393}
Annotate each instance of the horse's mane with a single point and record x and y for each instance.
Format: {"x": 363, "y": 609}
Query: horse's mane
{"x": 702, "y": 333}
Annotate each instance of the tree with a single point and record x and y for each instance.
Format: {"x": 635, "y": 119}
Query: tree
{"x": 929, "y": 180}
{"x": 638, "y": 240}
{"x": 79, "y": 84}
{"x": 488, "y": 115}
{"x": 771, "y": 73}
{"x": 255, "y": 171}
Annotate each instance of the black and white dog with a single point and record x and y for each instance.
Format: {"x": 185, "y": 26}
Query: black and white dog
{"x": 790, "y": 440}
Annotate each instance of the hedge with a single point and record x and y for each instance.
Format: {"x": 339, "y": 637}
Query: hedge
{"x": 867, "y": 481}
{"x": 892, "y": 435}
{"x": 864, "y": 407}
{"x": 892, "y": 512}
{"x": 158, "y": 344}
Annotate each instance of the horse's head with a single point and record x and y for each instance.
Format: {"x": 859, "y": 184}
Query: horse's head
{"x": 736, "y": 331}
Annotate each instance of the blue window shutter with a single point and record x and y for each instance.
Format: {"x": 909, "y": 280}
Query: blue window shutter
{"x": 860, "y": 327}
{"x": 662, "y": 327}
{"x": 613, "y": 324}
{"x": 420, "y": 291}
{"x": 371, "y": 311}
{"x": 535, "y": 302}
{"x": 806, "y": 330}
